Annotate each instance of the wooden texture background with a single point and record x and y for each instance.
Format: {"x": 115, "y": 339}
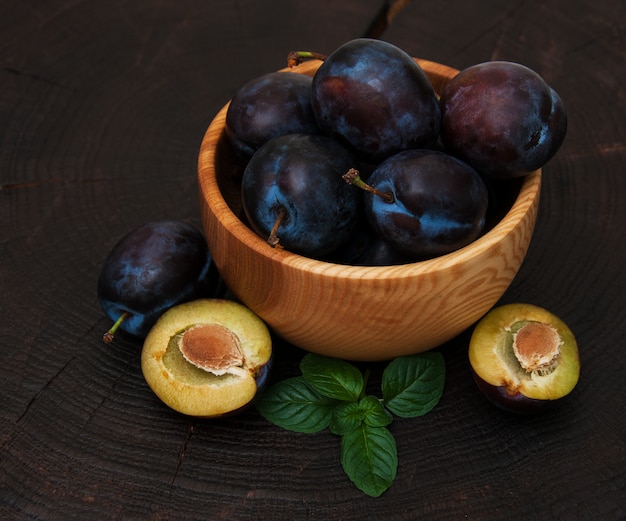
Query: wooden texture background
{"x": 103, "y": 105}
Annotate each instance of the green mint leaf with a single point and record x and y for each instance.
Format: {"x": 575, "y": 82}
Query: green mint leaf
{"x": 347, "y": 417}
{"x": 412, "y": 385}
{"x": 293, "y": 405}
{"x": 332, "y": 377}
{"x": 370, "y": 459}
{"x": 374, "y": 413}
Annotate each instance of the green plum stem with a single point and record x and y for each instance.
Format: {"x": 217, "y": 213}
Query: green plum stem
{"x": 297, "y": 57}
{"x": 110, "y": 334}
{"x": 352, "y": 177}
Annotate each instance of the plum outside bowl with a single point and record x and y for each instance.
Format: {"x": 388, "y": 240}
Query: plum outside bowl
{"x": 353, "y": 312}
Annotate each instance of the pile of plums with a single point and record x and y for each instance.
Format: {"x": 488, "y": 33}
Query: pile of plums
{"x": 364, "y": 164}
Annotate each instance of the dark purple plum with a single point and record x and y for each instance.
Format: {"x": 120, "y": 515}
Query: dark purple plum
{"x": 502, "y": 118}
{"x": 373, "y": 96}
{"x": 428, "y": 203}
{"x": 367, "y": 248}
{"x": 293, "y": 194}
{"x": 271, "y": 105}
{"x": 151, "y": 269}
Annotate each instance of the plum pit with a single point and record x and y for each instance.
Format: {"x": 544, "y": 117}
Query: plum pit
{"x": 537, "y": 347}
{"x": 212, "y": 348}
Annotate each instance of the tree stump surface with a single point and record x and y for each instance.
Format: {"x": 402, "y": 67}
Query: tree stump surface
{"x": 103, "y": 107}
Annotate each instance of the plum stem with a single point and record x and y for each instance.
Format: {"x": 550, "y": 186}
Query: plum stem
{"x": 352, "y": 177}
{"x": 273, "y": 239}
{"x": 297, "y": 57}
{"x": 110, "y": 334}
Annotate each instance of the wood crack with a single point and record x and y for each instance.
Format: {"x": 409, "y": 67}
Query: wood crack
{"x": 385, "y": 17}
{"x": 191, "y": 429}
{"x": 17, "y": 72}
{"x": 43, "y": 388}
{"x": 54, "y": 181}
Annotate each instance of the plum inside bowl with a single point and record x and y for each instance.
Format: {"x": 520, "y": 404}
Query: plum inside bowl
{"x": 359, "y": 312}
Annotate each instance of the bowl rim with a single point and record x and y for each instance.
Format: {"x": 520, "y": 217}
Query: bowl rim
{"x": 210, "y": 191}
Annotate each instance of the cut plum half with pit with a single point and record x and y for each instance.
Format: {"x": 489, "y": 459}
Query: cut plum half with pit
{"x": 523, "y": 357}
{"x": 207, "y": 358}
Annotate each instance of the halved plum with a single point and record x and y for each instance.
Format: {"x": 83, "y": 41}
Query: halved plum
{"x": 523, "y": 357}
{"x": 207, "y": 358}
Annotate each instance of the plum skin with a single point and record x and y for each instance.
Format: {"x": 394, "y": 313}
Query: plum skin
{"x": 367, "y": 248}
{"x": 515, "y": 403}
{"x": 152, "y": 268}
{"x": 502, "y": 118}
{"x": 440, "y": 203}
{"x": 301, "y": 174}
{"x": 375, "y": 97}
{"x": 271, "y": 105}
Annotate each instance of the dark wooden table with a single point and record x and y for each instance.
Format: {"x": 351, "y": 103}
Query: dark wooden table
{"x": 103, "y": 105}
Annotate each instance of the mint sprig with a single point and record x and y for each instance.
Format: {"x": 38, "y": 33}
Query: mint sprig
{"x": 331, "y": 393}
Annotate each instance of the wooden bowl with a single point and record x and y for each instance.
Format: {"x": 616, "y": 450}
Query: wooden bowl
{"x": 360, "y": 313}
